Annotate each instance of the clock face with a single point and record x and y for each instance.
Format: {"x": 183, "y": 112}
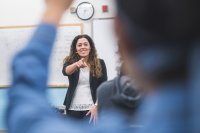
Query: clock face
{"x": 85, "y": 10}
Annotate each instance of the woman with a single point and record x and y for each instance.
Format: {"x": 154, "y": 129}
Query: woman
{"x": 85, "y": 73}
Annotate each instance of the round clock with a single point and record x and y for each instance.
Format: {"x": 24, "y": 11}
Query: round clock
{"x": 85, "y": 10}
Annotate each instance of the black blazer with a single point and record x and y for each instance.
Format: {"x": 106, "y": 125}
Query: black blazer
{"x": 73, "y": 81}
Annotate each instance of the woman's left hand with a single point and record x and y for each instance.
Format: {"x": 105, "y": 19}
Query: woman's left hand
{"x": 93, "y": 114}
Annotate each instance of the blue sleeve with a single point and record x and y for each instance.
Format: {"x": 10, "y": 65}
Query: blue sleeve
{"x": 28, "y": 109}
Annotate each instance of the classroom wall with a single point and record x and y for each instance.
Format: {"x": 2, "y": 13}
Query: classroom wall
{"x": 28, "y": 12}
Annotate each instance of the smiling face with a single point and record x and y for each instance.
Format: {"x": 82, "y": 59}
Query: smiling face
{"x": 83, "y": 47}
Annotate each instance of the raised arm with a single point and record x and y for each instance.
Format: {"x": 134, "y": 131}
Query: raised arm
{"x": 28, "y": 108}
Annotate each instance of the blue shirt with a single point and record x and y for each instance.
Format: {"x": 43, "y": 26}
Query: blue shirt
{"x": 165, "y": 110}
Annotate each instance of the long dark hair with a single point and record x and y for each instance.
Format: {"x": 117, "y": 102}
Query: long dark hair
{"x": 94, "y": 62}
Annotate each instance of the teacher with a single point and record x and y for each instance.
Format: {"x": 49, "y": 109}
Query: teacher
{"x": 85, "y": 73}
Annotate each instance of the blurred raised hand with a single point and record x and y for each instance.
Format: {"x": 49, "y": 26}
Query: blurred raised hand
{"x": 64, "y": 4}
{"x": 54, "y": 10}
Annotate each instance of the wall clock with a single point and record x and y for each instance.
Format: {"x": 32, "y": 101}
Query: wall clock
{"x": 85, "y": 11}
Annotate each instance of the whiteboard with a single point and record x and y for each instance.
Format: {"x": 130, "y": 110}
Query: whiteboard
{"x": 106, "y": 44}
{"x": 13, "y": 39}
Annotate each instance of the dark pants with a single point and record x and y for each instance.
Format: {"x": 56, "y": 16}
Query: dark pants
{"x": 78, "y": 115}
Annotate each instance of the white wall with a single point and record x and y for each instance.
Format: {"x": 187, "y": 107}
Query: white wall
{"x": 28, "y": 12}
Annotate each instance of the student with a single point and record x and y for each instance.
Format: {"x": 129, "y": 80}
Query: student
{"x": 119, "y": 95}
{"x": 85, "y": 73}
{"x": 159, "y": 38}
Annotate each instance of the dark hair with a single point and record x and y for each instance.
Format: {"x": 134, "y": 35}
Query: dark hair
{"x": 168, "y": 20}
{"x": 161, "y": 34}
{"x": 95, "y": 66}
{"x": 175, "y": 26}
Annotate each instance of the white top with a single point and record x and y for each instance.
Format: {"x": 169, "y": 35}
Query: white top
{"x": 82, "y": 99}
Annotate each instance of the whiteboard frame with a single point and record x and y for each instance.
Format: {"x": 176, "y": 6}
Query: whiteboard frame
{"x": 32, "y": 26}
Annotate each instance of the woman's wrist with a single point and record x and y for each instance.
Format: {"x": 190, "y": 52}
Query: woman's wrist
{"x": 76, "y": 65}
